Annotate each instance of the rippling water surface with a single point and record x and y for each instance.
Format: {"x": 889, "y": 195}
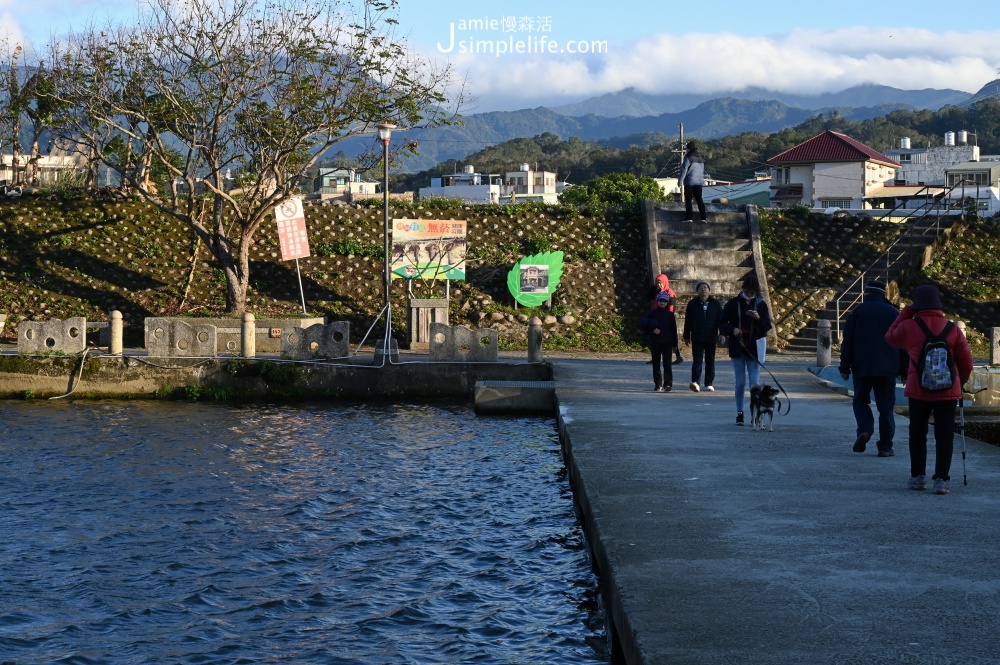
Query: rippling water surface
{"x": 184, "y": 533}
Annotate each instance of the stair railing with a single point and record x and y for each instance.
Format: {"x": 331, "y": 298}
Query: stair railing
{"x": 895, "y": 252}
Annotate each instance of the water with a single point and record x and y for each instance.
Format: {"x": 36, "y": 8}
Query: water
{"x": 135, "y": 532}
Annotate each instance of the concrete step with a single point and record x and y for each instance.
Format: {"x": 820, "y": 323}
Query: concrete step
{"x": 719, "y": 229}
{"x": 719, "y": 276}
{"x": 708, "y": 259}
{"x": 704, "y": 242}
{"x": 713, "y": 214}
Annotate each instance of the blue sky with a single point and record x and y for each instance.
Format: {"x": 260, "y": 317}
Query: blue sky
{"x": 657, "y": 47}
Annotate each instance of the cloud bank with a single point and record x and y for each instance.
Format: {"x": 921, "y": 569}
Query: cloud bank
{"x": 802, "y": 61}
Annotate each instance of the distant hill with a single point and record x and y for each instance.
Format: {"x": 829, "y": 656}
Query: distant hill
{"x": 711, "y": 119}
{"x": 990, "y": 90}
{"x": 631, "y": 102}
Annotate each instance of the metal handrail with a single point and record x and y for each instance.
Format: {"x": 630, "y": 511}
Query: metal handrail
{"x": 889, "y": 262}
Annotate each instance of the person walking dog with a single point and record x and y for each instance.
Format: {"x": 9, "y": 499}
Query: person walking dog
{"x": 940, "y": 364}
{"x": 745, "y": 319}
{"x": 701, "y": 332}
{"x": 875, "y": 365}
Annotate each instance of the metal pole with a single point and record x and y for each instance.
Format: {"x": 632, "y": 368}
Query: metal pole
{"x": 301, "y": 290}
{"x": 385, "y": 214}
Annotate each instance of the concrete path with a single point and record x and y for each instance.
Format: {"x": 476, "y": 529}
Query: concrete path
{"x": 720, "y": 545}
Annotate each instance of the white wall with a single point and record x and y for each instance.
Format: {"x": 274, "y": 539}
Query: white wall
{"x": 467, "y": 193}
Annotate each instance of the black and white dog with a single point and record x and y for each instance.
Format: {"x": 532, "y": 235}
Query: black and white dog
{"x": 763, "y": 400}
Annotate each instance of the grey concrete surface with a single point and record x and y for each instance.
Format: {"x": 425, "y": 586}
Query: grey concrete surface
{"x": 717, "y": 544}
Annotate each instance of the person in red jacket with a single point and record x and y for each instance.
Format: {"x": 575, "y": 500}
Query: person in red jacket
{"x": 906, "y": 333}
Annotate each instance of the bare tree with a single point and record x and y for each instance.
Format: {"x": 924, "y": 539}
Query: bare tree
{"x": 201, "y": 87}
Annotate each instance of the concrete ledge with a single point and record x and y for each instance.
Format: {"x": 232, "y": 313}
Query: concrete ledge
{"x": 515, "y": 397}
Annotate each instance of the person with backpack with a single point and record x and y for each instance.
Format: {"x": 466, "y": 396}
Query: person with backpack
{"x": 875, "y": 366}
{"x": 940, "y": 364}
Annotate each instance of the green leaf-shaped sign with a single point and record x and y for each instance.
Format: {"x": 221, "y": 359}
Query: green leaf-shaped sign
{"x": 534, "y": 279}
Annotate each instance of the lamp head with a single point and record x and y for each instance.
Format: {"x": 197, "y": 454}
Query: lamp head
{"x": 385, "y": 130}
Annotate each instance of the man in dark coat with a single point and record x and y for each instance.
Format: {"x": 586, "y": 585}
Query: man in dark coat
{"x": 875, "y": 365}
{"x": 701, "y": 331}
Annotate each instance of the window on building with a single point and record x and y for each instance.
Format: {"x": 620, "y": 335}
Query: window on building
{"x": 835, "y": 203}
{"x": 980, "y": 178}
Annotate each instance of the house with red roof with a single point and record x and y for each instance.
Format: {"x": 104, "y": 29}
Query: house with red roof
{"x": 830, "y": 170}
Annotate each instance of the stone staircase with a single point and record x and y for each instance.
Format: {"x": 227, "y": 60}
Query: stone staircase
{"x": 720, "y": 252}
{"x": 912, "y": 251}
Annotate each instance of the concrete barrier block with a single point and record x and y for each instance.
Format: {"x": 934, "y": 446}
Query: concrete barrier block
{"x": 330, "y": 340}
{"x": 55, "y": 336}
{"x": 380, "y": 351}
{"x": 175, "y": 338}
{"x": 461, "y": 344}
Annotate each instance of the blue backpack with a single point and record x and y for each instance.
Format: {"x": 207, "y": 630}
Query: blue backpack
{"x": 936, "y": 368}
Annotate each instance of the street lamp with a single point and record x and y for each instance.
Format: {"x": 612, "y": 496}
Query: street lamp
{"x": 384, "y": 133}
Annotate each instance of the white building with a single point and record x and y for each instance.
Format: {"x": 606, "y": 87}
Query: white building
{"x": 979, "y": 181}
{"x": 525, "y": 184}
{"x": 926, "y": 166}
{"x": 346, "y": 184}
{"x": 830, "y": 170}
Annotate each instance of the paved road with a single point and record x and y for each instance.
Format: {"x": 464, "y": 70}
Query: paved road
{"x": 720, "y": 545}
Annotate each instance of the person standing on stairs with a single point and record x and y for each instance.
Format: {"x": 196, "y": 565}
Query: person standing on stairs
{"x": 692, "y": 179}
{"x": 745, "y": 319}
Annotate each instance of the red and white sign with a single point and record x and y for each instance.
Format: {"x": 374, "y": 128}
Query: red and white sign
{"x": 292, "y": 229}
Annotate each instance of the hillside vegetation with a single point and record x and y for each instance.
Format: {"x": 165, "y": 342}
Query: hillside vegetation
{"x": 63, "y": 257}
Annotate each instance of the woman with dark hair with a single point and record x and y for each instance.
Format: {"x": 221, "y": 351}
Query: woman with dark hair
{"x": 745, "y": 319}
{"x": 692, "y": 179}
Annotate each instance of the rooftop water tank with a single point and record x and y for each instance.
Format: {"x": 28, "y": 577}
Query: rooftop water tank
{"x": 963, "y": 137}
{"x": 904, "y": 143}
{"x": 469, "y": 168}
{"x": 525, "y": 167}
{"x": 949, "y": 138}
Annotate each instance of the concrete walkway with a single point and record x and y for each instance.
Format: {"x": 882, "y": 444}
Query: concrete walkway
{"x": 720, "y": 545}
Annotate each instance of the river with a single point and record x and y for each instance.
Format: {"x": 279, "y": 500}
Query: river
{"x": 168, "y": 532}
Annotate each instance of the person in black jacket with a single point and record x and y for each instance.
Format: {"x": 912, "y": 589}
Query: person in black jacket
{"x": 745, "y": 319}
{"x": 701, "y": 331}
{"x": 659, "y": 326}
{"x": 875, "y": 365}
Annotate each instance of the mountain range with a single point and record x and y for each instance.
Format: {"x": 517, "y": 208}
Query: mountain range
{"x": 632, "y": 117}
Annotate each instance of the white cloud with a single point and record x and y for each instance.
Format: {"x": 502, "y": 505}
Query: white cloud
{"x": 802, "y": 61}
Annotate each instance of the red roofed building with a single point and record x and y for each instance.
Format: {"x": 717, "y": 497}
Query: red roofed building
{"x": 830, "y": 170}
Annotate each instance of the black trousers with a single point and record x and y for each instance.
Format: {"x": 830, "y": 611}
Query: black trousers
{"x": 944, "y": 435}
{"x": 700, "y": 351}
{"x": 662, "y": 355}
{"x": 692, "y": 194}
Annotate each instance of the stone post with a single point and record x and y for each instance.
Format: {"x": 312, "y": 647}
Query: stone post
{"x": 249, "y": 335}
{"x": 995, "y": 346}
{"x": 535, "y": 340}
{"x": 824, "y": 343}
{"x": 115, "y": 333}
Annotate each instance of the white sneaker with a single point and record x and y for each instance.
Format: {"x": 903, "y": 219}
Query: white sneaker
{"x": 710, "y": 389}
{"x": 694, "y": 386}
{"x": 687, "y": 221}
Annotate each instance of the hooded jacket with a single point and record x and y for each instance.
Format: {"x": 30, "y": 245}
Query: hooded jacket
{"x": 904, "y": 333}
{"x": 692, "y": 169}
{"x": 662, "y": 284}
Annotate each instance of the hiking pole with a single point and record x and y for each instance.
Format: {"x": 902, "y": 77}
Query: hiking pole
{"x": 961, "y": 428}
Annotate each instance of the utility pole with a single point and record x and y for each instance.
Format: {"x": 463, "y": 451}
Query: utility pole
{"x": 681, "y": 152}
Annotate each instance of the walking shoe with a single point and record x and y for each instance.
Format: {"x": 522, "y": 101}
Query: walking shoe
{"x": 942, "y": 486}
{"x": 686, "y": 221}
{"x": 917, "y": 483}
{"x": 887, "y": 453}
{"x": 695, "y": 387}
{"x": 703, "y": 221}
{"x": 678, "y": 360}
{"x": 861, "y": 442}
{"x": 667, "y": 389}
{"x": 658, "y": 389}
{"x": 739, "y": 418}
{"x": 710, "y": 389}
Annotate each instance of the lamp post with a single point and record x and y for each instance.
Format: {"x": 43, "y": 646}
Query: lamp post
{"x": 384, "y": 133}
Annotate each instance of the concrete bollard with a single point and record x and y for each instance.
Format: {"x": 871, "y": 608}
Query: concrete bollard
{"x": 249, "y": 335}
{"x": 961, "y": 327}
{"x": 115, "y": 333}
{"x": 995, "y": 346}
{"x": 824, "y": 343}
{"x": 535, "y": 340}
